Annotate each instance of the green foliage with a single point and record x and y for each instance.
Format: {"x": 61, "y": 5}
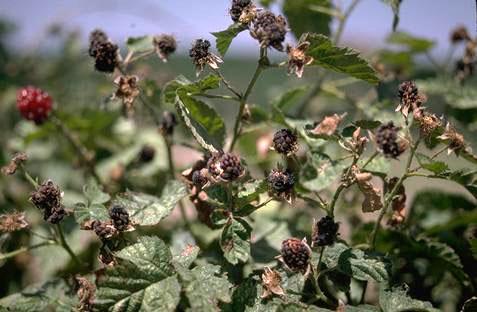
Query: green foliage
{"x": 139, "y": 44}
{"x": 302, "y": 18}
{"x": 412, "y": 44}
{"x": 93, "y": 208}
{"x": 224, "y": 38}
{"x": 235, "y": 241}
{"x": 397, "y": 300}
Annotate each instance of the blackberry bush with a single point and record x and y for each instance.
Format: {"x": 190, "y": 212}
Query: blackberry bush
{"x": 306, "y": 176}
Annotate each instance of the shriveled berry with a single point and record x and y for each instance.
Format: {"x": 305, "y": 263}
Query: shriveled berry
{"x": 280, "y": 180}
{"x": 34, "y": 104}
{"x": 237, "y": 8}
{"x": 285, "y": 142}
{"x": 47, "y": 198}
{"x": 164, "y": 45}
{"x": 296, "y": 254}
{"x": 199, "y": 50}
{"x": 387, "y": 140}
{"x": 225, "y": 166}
{"x": 96, "y": 37}
{"x": 459, "y": 34}
{"x": 147, "y": 153}
{"x": 103, "y": 230}
{"x": 324, "y": 232}
{"x": 120, "y": 217}
{"x": 410, "y": 100}
{"x": 198, "y": 178}
{"x": 270, "y": 30}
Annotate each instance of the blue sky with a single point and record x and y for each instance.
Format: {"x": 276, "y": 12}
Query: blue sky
{"x": 190, "y": 19}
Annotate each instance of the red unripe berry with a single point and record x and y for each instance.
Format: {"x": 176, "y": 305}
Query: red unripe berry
{"x": 34, "y": 104}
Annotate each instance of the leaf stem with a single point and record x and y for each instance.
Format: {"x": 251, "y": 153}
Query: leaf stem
{"x": 343, "y": 19}
{"x": 431, "y": 158}
{"x": 243, "y": 100}
{"x": 64, "y": 244}
{"x": 218, "y": 96}
{"x": 227, "y": 83}
{"x": 370, "y": 159}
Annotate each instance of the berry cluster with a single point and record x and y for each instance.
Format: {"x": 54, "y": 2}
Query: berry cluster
{"x": 34, "y": 104}
{"x": 120, "y": 217}
{"x": 296, "y": 254}
{"x": 324, "y": 232}
{"x": 410, "y": 100}
{"x": 270, "y": 30}
{"x": 201, "y": 56}
{"x": 285, "y": 142}
{"x": 237, "y": 8}
{"x": 387, "y": 140}
{"x": 225, "y": 167}
{"x": 47, "y": 198}
{"x": 104, "y": 52}
{"x": 164, "y": 45}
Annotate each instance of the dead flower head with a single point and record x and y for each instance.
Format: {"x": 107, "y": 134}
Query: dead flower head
{"x": 271, "y": 281}
{"x": 12, "y": 222}
{"x": 398, "y": 204}
{"x": 86, "y": 294}
{"x": 328, "y": 126}
{"x": 372, "y": 195}
{"x": 164, "y": 46}
{"x": 410, "y": 100}
{"x": 428, "y": 124}
{"x": 455, "y": 140}
{"x": 201, "y": 56}
{"x": 16, "y": 161}
{"x": 297, "y": 58}
{"x": 127, "y": 91}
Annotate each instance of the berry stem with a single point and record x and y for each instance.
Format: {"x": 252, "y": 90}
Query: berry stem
{"x": 14, "y": 253}
{"x": 343, "y": 19}
{"x": 64, "y": 244}
{"x": 261, "y": 65}
{"x": 29, "y": 177}
{"x": 370, "y": 159}
{"x": 227, "y": 84}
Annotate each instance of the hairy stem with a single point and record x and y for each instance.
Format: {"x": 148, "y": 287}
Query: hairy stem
{"x": 64, "y": 244}
{"x": 243, "y": 99}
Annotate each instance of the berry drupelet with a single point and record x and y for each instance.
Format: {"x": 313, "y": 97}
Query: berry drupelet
{"x": 296, "y": 254}
{"x": 324, "y": 232}
{"x": 285, "y": 142}
{"x": 34, "y": 104}
{"x": 280, "y": 180}
{"x": 387, "y": 140}
{"x": 120, "y": 217}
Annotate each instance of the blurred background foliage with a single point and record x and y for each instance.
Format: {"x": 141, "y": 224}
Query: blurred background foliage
{"x": 439, "y": 210}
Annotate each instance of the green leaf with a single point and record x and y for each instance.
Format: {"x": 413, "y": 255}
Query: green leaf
{"x": 93, "y": 208}
{"x": 397, "y": 300}
{"x": 224, "y": 38}
{"x": 289, "y": 98}
{"x": 378, "y": 166}
{"x": 342, "y": 60}
{"x": 204, "y": 123}
{"x": 457, "y": 96}
{"x": 187, "y": 256}
{"x": 235, "y": 241}
{"x": 147, "y": 209}
{"x": 169, "y": 91}
{"x": 302, "y": 19}
{"x": 139, "y": 44}
{"x": 362, "y": 266}
{"x": 367, "y": 124}
{"x": 143, "y": 281}
{"x": 319, "y": 173}
{"x": 434, "y": 166}
{"x": 413, "y": 44}
{"x": 204, "y": 287}
{"x": 53, "y": 295}
{"x": 395, "y": 6}
{"x": 466, "y": 178}
{"x": 250, "y": 191}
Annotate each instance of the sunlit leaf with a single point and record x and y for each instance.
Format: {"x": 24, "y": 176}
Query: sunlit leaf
{"x": 224, "y": 38}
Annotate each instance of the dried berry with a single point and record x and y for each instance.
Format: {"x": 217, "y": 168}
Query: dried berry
{"x": 270, "y": 30}
{"x": 47, "y": 198}
{"x": 127, "y": 92}
{"x": 103, "y": 230}
{"x": 428, "y": 124}
{"x": 285, "y": 142}
{"x": 237, "y": 8}
{"x": 147, "y": 153}
{"x": 85, "y": 290}
{"x": 120, "y": 217}
{"x": 16, "y": 161}
{"x": 297, "y": 58}
{"x": 410, "y": 99}
{"x": 34, "y": 104}
{"x": 459, "y": 34}
{"x": 272, "y": 283}
{"x": 168, "y": 123}
{"x": 12, "y": 222}
{"x": 388, "y": 141}
{"x": 324, "y": 232}
{"x": 199, "y": 178}
{"x": 164, "y": 45}
{"x": 96, "y": 37}
{"x": 106, "y": 57}
{"x": 225, "y": 167}
{"x": 398, "y": 203}
{"x": 296, "y": 254}
{"x": 454, "y": 139}
{"x": 201, "y": 56}
{"x": 280, "y": 180}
